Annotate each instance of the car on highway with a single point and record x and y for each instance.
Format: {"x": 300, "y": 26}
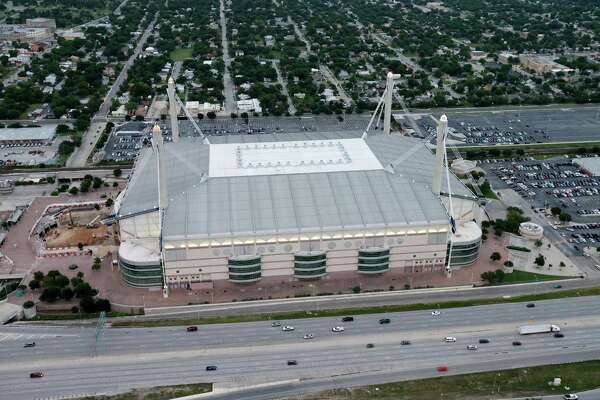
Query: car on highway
{"x": 449, "y": 339}
{"x": 557, "y": 286}
{"x": 471, "y": 347}
{"x": 337, "y": 329}
{"x": 309, "y": 336}
{"x": 192, "y": 328}
{"x": 442, "y": 368}
{"x": 435, "y": 313}
{"x": 275, "y": 324}
{"x": 30, "y": 344}
{"x": 405, "y": 342}
{"x": 570, "y": 396}
{"x": 370, "y": 345}
{"x": 559, "y": 335}
{"x": 37, "y": 374}
{"x": 530, "y": 305}
{"x": 211, "y": 367}
{"x": 348, "y": 319}
{"x": 288, "y": 328}
{"x": 516, "y": 343}
{"x": 483, "y": 341}
{"x": 292, "y": 362}
{"x": 384, "y": 321}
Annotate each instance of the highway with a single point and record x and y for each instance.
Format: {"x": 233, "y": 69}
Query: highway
{"x": 255, "y": 353}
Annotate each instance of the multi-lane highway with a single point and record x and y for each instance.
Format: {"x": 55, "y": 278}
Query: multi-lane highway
{"x": 253, "y": 353}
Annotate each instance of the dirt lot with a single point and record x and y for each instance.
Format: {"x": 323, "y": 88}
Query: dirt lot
{"x": 65, "y": 236}
{"x": 82, "y": 217}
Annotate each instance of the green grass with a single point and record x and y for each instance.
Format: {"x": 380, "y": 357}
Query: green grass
{"x": 542, "y": 157}
{"x": 180, "y": 54}
{"x": 523, "y": 277}
{"x": 358, "y": 311}
{"x": 487, "y": 191}
{"x": 59, "y": 317}
{"x": 158, "y": 392}
{"x": 520, "y": 382}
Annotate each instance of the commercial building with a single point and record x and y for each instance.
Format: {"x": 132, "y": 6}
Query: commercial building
{"x": 42, "y": 135}
{"x": 542, "y": 64}
{"x": 297, "y": 206}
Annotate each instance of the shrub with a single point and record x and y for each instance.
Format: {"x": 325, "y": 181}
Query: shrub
{"x": 28, "y": 304}
{"x": 38, "y": 275}
{"x": 50, "y": 294}
{"x": 67, "y": 293}
{"x": 356, "y": 289}
{"x": 34, "y": 284}
{"x": 87, "y": 304}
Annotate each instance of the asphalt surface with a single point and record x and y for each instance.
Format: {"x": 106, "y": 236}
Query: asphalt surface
{"x": 254, "y": 353}
{"x": 229, "y": 105}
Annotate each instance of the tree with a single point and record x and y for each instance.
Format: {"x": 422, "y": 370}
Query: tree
{"x": 539, "y": 260}
{"x": 74, "y": 190}
{"x": 87, "y": 304}
{"x": 564, "y": 217}
{"x": 103, "y": 305}
{"x": 67, "y": 293}
{"x": 50, "y": 294}
{"x": 62, "y": 129}
{"x": 109, "y": 202}
{"x": 38, "y": 275}
{"x": 97, "y": 182}
{"x": 34, "y": 284}
{"x": 84, "y": 290}
{"x": 538, "y": 243}
{"x": 117, "y": 173}
{"x": 84, "y": 186}
{"x": 211, "y": 115}
{"x": 97, "y": 264}
{"x": 495, "y": 256}
{"x": 555, "y": 211}
{"x": 499, "y": 275}
{"x": 489, "y": 277}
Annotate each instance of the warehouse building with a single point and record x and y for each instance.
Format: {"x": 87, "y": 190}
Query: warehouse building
{"x": 302, "y": 206}
{"x": 35, "y": 136}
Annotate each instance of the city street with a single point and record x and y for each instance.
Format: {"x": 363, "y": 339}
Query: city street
{"x": 229, "y": 106}
{"x": 248, "y": 354}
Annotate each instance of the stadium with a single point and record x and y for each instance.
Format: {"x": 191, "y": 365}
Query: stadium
{"x": 298, "y": 206}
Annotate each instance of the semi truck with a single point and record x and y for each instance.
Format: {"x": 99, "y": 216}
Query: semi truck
{"x": 541, "y": 328}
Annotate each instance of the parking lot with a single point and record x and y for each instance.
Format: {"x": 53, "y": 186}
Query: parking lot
{"x": 554, "y": 183}
{"x": 525, "y": 126}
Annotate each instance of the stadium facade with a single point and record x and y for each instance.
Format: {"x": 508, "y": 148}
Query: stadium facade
{"x": 302, "y": 206}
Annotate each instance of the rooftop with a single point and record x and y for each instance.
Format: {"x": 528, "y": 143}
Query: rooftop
{"x": 382, "y": 181}
{"x": 45, "y": 132}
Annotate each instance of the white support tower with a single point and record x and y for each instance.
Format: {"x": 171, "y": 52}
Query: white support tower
{"x": 442, "y": 129}
{"x": 173, "y": 109}
{"x": 163, "y": 196}
{"x": 389, "y": 93}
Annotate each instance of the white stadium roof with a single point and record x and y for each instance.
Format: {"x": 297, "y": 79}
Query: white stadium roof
{"x": 385, "y": 183}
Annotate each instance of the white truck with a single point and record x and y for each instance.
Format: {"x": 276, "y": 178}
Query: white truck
{"x": 542, "y": 328}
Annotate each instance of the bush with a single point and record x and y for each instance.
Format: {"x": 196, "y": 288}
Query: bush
{"x": 539, "y": 260}
{"x": 75, "y": 309}
{"x": 84, "y": 290}
{"x": 356, "y": 289}
{"x": 103, "y": 305}
{"x": 28, "y": 304}
{"x": 97, "y": 264}
{"x": 117, "y": 173}
{"x": 76, "y": 281}
{"x": 38, "y": 275}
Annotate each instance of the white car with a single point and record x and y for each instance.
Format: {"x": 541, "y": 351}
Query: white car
{"x": 570, "y": 396}
{"x": 309, "y": 336}
{"x": 338, "y": 329}
{"x": 435, "y": 313}
{"x": 449, "y": 339}
{"x": 288, "y": 328}
{"x": 471, "y": 347}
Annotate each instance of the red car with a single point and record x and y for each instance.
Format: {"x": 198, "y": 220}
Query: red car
{"x": 443, "y": 368}
{"x": 36, "y": 374}
{"x": 192, "y": 328}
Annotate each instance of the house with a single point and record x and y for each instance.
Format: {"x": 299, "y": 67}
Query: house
{"x": 269, "y": 41}
{"x": 250, "y": 105}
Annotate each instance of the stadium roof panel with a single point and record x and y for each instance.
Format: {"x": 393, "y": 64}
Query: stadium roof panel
{"x": 205, "y": 202}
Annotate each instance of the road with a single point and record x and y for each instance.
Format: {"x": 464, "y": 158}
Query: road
{"x": 429, "y": 296}
{"x": 284, "y": 88}
{"x": 80, "y": 156}
{"x": 327, "y": 74}
{"x": 229, "y": 105}
{"x": 252, "y": 353}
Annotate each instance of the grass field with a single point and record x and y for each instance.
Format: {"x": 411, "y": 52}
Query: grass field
{"x": 181, "y": 54}
{"x": 158, "y": 393}
{"x": 524, "y": 277}
{"x": 521, "y": 382}
{"x": 358, "y": 311}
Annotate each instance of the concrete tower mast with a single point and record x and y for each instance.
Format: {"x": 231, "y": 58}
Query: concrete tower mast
{"x": 442, "y": 130}
{"x": 173, "y": 109}
{"x": 163, "y": 197}
{"x": 389, "y": 92}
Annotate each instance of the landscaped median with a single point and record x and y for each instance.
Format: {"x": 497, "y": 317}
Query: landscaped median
{"x": 595, "y": 291}
{"x": 158, "y": 392}
{"x": 520, "y": 382}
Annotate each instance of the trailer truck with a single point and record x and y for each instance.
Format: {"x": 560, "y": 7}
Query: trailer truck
{"x": 541, "y": 328}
